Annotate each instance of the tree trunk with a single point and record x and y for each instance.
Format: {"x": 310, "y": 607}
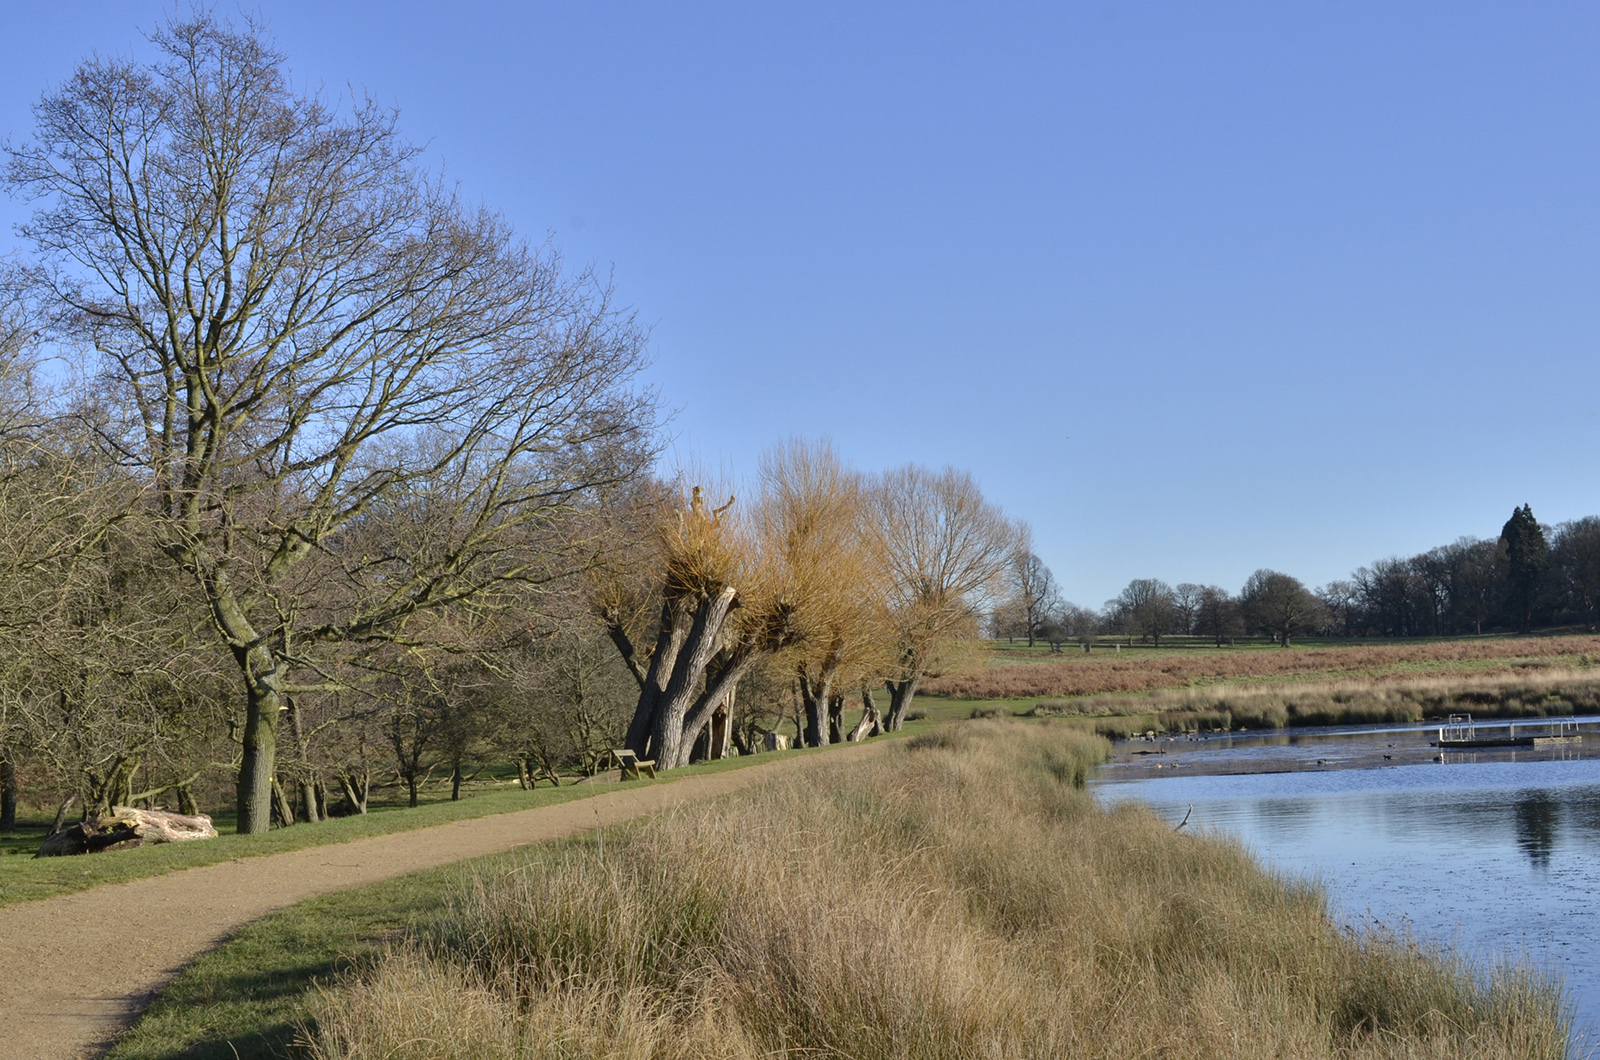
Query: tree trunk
{"x": 61, "y": 813}
{"x": 124, "y": 829}
{"x": 308, "y": 801}
{"x": 653, "y": 687}
{"x": 356, "y": 794}
{"x": 523, "y": 779}
{"x": 8, "y": 795}
{"x": 719, "y": 695}
{"x": 281, "y": 806}
{"x": 901, "y": 693}
{"x": 411, "y": 790}
{"x": 836, "y": 719}
{"x": 720, "y": 728}
{"x": 262, "y": 703}
{"x": 870, "y": 706}
{"x": 700, "y": 645}
{"x": 817, "y": 698}
{"x": 455, "y": 782}
{"x": 186, "y": 801}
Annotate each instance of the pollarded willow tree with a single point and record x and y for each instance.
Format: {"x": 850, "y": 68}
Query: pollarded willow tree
{"x": 300, "y": 336}
{"x": 945, "y": 549}
{"x": 706, "y": 597}
{"x": 815, "y": 516}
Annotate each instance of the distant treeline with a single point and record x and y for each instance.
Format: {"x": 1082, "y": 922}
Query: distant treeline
{"x": 1530, "y": 576}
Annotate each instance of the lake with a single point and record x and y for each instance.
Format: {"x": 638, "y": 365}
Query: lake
{"x": 1496, "y": 852}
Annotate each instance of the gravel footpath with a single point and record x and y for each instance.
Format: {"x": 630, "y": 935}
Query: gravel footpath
{"x": 76, "y": 970}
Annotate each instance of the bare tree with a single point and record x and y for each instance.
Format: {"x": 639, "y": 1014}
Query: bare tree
{"x": 1007, "y": 620}
{"x": 564, "y": 701}
{"x": 1280, "y": 605}
{"x": 1342, "y": 600}
{"x": 1186, "y": 598}
{"x": 99, "y": 681}
{"x": 1148, "y": 608}
{"x": 300, "y": 333}
{"x": 1218, "y": 615}
{"x": 1575, "y": 554}
{"x": 1032, "y": 588}
{"x": 946, "y": 549}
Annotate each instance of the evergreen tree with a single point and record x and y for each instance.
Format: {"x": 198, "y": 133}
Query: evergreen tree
{"x": 1527, "y": 554}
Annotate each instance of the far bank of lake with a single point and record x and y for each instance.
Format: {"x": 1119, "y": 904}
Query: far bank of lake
{"x": 1496, "y": 852}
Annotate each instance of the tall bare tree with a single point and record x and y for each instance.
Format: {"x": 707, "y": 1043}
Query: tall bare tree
{"x": 1218, "y": 615}
{"x": 946, "y": 549}
{"x": 1280, "y": 605}
{"x": 299, "y": 333}
{"x": 1575, "y": 555}
{"x": 1033, "y": 594}
{"x": 1147, "y": 607}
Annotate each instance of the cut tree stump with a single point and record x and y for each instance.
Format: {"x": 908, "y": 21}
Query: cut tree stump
{"x": 125, "y": 829}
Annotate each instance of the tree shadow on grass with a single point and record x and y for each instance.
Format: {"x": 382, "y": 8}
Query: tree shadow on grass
{"x": 245, "y": 1014}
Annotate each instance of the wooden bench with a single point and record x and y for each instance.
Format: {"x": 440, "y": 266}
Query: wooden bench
{"x": 633, "y": 767}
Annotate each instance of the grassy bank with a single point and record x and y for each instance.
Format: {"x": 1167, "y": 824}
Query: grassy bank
{"x": 960, "y": 897}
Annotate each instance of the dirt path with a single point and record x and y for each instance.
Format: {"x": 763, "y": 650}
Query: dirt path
{"x": 76, "y": 970}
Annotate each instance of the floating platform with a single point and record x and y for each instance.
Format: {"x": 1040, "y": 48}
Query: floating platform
{"x": 1462, "y": 733}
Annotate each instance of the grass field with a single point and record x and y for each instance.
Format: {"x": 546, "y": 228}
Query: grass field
{"x": 1014, "y": 674}
{"x": 1193, "y": 686}
{"x": 961, "y": 897}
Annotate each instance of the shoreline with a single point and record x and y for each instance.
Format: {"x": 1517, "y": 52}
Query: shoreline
{"x": 1309, "y": 751}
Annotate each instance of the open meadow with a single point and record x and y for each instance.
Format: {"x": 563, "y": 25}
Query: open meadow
{"x": 1176, "y": 689}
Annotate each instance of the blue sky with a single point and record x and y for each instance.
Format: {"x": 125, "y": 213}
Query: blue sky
{"x": 1194, "y": 289}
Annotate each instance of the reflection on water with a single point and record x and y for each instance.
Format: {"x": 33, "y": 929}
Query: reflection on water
{"x": 1536, "y": 826}
{"x": 1499, "y": 857}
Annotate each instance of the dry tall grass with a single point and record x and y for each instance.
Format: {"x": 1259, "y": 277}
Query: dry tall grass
{"x": 1137, "y": 671}
{"x": 1538, "y": 693}
{"x": 960, "y": 897}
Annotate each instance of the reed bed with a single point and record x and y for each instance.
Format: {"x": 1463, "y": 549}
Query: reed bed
{"x": 1520, "y": 693}
{"x": 962, "y": 896}
{"x": 1141, "y": 671}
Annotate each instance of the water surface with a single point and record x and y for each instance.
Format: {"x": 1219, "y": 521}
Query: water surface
{"x": 1495, "y": 852}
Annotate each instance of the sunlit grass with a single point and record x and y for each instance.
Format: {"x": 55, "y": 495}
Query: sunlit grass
{"x": 960, "y": 897}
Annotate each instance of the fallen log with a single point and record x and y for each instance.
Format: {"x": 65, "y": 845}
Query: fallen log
{"x": 125, "y": 829}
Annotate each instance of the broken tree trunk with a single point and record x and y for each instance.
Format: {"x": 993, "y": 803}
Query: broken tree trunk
{"x": 869, "y": 725}
{"x": 124, "y": 829}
